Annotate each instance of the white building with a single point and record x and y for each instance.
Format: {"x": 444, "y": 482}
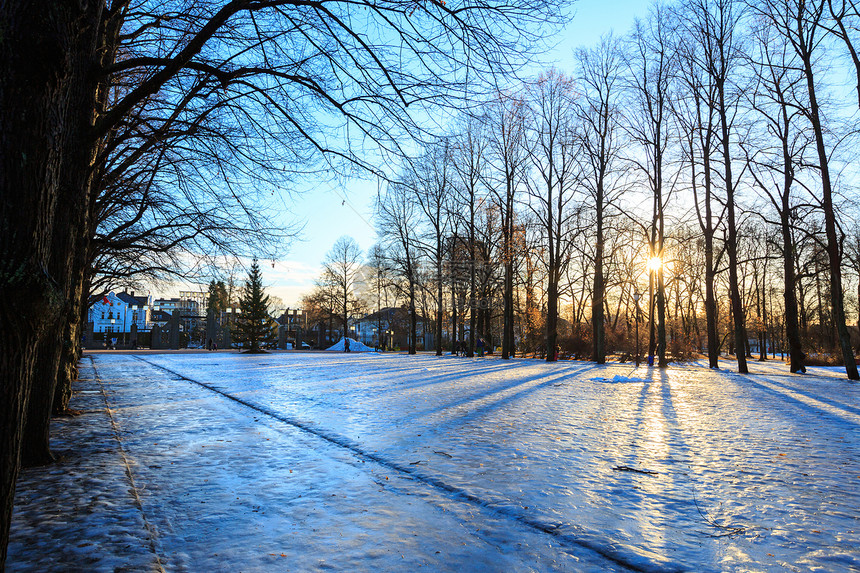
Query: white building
{"x": 117, "y": 312}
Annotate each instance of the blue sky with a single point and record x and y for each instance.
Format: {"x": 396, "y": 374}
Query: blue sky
{"x": 330, "y": 211}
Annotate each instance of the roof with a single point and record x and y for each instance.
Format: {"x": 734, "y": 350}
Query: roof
{"x": 131, "y": 299}
{"x": 160, "y": 316}
{"x": 391, "y": 313}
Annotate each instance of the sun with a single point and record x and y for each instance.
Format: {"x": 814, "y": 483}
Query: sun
{"x": 654, "y": 264}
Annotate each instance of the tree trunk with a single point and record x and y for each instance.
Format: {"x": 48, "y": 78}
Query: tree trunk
{"x": 552, "y": 314}
{"x": 711, "y": 306}
{"x": 598, "y": 329}
{"x": 413, "y": 319}
{"x": 72, "y": 351}
{"x": 652, "y": 326}
{"x": 833, "y": 254}
{"x": 732, "y": 240}
{"x": 454, "y": 338}
{"x": 42, "y": 56}
{"x": 440, "y": 300}
{"x": 662, "y": 362}
{"x": 508, "y": 323}
{"x": 67, "y": 256}
{"x": 710, "y": 272}
{"x": 792, "y": 326}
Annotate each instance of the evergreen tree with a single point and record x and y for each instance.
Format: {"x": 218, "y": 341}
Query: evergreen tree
{"x": 218, "y": 298}
{"x": 254, "y": 325}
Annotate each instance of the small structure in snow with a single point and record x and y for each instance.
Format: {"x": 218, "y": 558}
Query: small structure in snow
{"x": 354, "y": 346}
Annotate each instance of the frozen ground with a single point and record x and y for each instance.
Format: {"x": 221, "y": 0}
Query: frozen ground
{"x": 357, "y": 462}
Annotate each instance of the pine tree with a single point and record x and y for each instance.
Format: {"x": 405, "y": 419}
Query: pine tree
{"x": 218, "y": 298}
{"x": 254, "y": 325}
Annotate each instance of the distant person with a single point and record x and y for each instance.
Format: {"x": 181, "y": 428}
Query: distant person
{"x": 113, "y": 343}
{"x": 480, "y": 345}
{"x": 346, "y": 344}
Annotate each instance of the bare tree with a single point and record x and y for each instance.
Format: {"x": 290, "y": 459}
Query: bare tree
{"x": 599, "y": 121}
{"x": 506, "y": 124}
{"x": 468, "y": 160}
{"x": 398, "y": 219}
{"x": 431, "y": 182}
{"x": 652, "y": 63}
{"x": 801, "y": 22}
{"x": 341, "y": 266}
{"x": 552, "y": 184}
{"x": 695, "y": 110}
{"x": 715, "y": 26}
{"x": 779, "y": 100}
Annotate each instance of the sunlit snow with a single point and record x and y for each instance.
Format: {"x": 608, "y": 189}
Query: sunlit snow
{"x": 387, "y": 462}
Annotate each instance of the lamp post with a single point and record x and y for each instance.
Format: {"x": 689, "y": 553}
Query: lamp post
{"x": 636, "y": 296}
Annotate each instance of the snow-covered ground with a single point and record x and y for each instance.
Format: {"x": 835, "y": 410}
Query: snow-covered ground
{"x": 368, "y": 462}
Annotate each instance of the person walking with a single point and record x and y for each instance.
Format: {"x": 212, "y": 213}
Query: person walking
{"x": 480, "y": 345}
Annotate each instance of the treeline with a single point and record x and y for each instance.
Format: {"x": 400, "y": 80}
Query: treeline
{"x": 702, "y": 164}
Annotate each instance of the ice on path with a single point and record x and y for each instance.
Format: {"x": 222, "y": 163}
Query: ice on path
{"x": 357, "y": 463}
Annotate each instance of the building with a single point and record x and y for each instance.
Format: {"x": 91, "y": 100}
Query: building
{"x": 390, "y": 328}
{"x": 115, "y": 313}
{"x": 191, "y": 306}
{"x": 294, "y": 322}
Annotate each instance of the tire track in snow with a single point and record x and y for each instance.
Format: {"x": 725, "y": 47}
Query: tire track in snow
{"x": 564, "y": 532}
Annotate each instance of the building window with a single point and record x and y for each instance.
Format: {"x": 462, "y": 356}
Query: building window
{"x": 103, "y": 314}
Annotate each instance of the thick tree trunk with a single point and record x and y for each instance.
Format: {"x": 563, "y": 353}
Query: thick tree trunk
{"x": 41, "y": 58}
{"x": 35, "y": 444}
{"x": 71, "y": 351}
{"x": 66, "y": 261}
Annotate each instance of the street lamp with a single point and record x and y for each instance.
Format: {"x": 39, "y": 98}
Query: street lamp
{"x": 636, "y": 297}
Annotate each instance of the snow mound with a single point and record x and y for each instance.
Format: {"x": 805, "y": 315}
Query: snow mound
{"x": 618, "y": 380}
{"x": 354, "y": 346}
